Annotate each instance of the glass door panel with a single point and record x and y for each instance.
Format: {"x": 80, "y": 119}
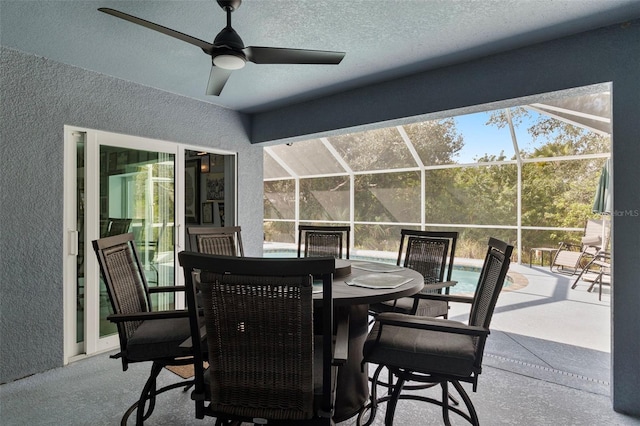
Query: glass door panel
{"x": 137, "y": 195}
{"x": 115, "y": 184}
{"x": 80, "y": 141}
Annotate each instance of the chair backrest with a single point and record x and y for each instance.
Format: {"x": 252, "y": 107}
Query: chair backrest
{"x": 492, "y": 276}
{"x": 429, "y": 252}
{"x": 224, "y": 241}
{"x": 322, "y": 241}
{"x": 159, "y": 242}
{"x": 258, "y": 316}
{"x": 596, "y": 236}
{"x": 118, "y": 226}
{"x": 124, "y": 278}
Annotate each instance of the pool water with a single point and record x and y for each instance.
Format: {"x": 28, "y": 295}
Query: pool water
{"x": 467, "y": 280}
{"x": 466, "y": 276}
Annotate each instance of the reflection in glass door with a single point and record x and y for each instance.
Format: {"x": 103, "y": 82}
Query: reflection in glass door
{"x": 80, "y": 140}
{"x": 118, "y": 183}
{"x": 137, "y": 195}
{"x": 114, "y": 184}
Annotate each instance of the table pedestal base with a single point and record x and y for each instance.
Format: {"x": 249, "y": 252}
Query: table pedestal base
{"x": 353, "y": 384}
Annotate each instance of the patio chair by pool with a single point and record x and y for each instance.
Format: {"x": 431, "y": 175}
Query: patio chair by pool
{"x": 320, "y": 241}
{"x": 145, "y": 335}
{"x": 225, "y": 240}
{"x": 118, "y": 226}
{"x": 434, "y": 350}
{"x": 431, "y": 253}
{"x": 571, "y": 258}
{"x": 597, "y": 271}
{"x": 267, "y": 363}
{"x": 154, "y": 253}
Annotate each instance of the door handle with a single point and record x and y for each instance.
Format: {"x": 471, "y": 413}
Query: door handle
{"x": 73, "y": 243}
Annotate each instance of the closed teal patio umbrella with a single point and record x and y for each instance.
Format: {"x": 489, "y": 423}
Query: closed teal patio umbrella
{"x": 602, "y": 201}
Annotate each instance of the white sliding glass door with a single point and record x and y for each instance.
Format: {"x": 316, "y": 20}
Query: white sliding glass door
{"x": 120, "y": 184}
{"x": 115, "y": 184}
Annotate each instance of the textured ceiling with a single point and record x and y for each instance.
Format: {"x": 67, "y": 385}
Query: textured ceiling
{"x": 383, "y": 39}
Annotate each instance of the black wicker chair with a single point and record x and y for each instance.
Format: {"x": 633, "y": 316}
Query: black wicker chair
{"x": 321, "y": 241}
{"x": 145, "y": 335}
{"x": 434, "y": 350}
{"x": 118, "y": 226}
{"x": 431, "y": 253}
{"x": 268, "y": 362}
{"x": 225, "y": 241}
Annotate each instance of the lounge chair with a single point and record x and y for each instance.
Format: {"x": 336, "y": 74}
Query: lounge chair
{"x": 597, "y": 271}
{"x": 571, "y": 258}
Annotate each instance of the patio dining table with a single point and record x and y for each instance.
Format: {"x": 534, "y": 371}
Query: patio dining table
{"x": 357, "y": 284}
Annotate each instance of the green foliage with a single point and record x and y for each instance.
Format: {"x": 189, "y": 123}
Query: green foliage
{"x": 279, "y": 199}
{"x": 389, "y": 197}
{"x": 437, "y": 141}
{"x": 325, "y": 198}
{"x": 556, "y": 191}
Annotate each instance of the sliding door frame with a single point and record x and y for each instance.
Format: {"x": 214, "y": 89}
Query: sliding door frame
{"x": 93, "y": 343}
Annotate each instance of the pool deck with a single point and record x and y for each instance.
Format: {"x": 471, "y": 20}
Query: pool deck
{"x": 542, "y": 328}
{"x": 549, "y": 331}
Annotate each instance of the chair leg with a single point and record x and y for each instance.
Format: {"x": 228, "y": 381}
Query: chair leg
{"x": 448, "y": 402}
{"x": 145, "y": 405}
{"x": 375, "y": 382}
{"x": 445, "y": 402}
{"x": 599, "y": 280}
{"x": 148, "y": 395}
{"x": 473, "y": 416}
{"x": 393, "y": 402}
{"x": 157, "y": 274}
{"x": 372, "y": 406}
{"x": 600, "y": 291}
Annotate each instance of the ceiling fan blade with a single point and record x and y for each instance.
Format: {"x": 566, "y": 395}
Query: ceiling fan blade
{"x": 217, "y": 79}
{"x": 277, "y": 55}
{"x": 207, "y": 47}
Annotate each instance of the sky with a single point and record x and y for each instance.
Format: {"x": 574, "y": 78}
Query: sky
{"x": 480, "y": 139}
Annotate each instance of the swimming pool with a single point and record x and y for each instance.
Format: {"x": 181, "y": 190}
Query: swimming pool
{"x": 466, "y": 276}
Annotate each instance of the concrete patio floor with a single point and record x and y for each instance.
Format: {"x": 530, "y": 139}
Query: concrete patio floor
{"x": 547, "y": 362}
{"x": 550, "y": 331}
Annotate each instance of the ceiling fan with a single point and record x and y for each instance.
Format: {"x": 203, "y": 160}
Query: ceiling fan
{"x": 228, "y": 52}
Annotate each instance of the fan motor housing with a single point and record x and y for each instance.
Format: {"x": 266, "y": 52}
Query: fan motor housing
{"x": 229, "y": 4}
{"x": 229, "y": 37}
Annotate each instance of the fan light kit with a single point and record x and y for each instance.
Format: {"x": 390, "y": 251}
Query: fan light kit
{"x": 228, "y": 52}
{"x": 229, "y": 62}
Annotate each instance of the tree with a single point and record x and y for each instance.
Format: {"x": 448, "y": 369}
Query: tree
{"x": 556, "y": 193}
{"x": 437, "y": 141}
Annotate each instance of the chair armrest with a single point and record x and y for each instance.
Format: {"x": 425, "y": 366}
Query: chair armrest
{"x": 569, "y": 246}
{"x": 167, "y": 289}
{"x": 428, "y": 323}
{"x": 445, "y": 297}
{"x": 439, "y": 285}
{"x": 341, "y": 348}
{"x": 144, "y": 316}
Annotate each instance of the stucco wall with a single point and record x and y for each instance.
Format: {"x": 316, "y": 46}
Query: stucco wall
{"x": 38, "y": 97}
